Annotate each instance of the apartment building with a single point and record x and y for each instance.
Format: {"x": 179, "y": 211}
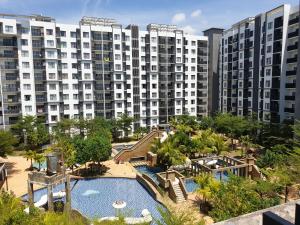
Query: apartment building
{"x": 99, "y": 68}
{"x": 258, "y": 66}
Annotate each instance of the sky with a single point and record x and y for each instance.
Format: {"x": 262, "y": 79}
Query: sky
{"x": 193, "y": 16}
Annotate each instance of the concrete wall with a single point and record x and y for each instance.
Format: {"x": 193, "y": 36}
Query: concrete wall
{"x": 286, "y": 211}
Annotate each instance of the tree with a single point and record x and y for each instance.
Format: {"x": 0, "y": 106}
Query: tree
{"x": 68, "y": 151}
{"x": 7, "y": 142}
{"x": 99, "y": 125}
{"x": 29, "y": 155}
{"x": 238, "y": 196}
{"x": 99, "y": 147}
{"x": 207, "y": 185}
{"x": 124, "y": 122}
{"x": 246, "y": 143}
{"x": 63, "y": 129}
{"x": 139, "y": 132}
{"x": 39, "y": 158}
{"x": 219, "y": 145}
{"x": 31, "y": 131}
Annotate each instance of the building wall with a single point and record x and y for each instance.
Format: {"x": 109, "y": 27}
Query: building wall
{"x": 258, "y": 65}
{"x": 99, "y": 68}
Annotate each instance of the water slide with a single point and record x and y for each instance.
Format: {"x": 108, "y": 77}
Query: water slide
{"x": 44, "y": 199}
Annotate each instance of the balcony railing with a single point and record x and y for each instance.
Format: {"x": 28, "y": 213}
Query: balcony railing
{"x": 291, "y": 72}
{"x": 290, "y": 85}
{"x": 293, "y": 21}
{"x": 292, "y": 60}
{"x": 289, "y": 110}
{"x": 292, "y": 47}
{"x": 291, "y": 98}
{"x": 293, "y": 34}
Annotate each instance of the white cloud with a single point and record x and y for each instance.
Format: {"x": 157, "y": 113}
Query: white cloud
{"x": 196, "y": 13}
{"x": 189, "y": 29}
{"x": 178, "y": 17}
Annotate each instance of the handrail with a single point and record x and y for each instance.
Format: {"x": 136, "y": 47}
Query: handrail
{"x": 182, "y": 187}
{"x": 143, "y": 140}
{"x": 172, "y": 193}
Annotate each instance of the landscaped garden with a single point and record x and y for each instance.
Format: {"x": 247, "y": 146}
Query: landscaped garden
{"x": 86, "y": 145}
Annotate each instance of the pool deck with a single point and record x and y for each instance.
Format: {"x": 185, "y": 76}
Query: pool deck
{"x": 18, "y": 173}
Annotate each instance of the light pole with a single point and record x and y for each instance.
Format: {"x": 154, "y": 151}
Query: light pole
{"x": 2, "y": 98}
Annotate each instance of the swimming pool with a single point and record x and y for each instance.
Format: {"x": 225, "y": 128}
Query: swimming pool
{"x": 94, "y": 197}
{"x": 150, "y": 171}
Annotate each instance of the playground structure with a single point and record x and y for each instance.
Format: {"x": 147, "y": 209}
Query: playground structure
{"x": 54, "y": 175}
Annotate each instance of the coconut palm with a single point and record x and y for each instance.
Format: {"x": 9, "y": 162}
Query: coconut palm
{"x": 207, "y": 183}
{"x": 219, "y": 145}
{"x": 246, "y": 143}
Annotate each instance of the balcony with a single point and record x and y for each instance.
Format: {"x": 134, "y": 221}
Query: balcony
{"x": 292, "y": 60}
{"x": 292, "y": 47}
{"x": 293, "y": 34}
{"x": 290, "y": 98}
{"x": 291, "y": 72}
{"x": 290, "y": 85}
{"x": 294, "y": 21}
{"x": 289, "y": 110}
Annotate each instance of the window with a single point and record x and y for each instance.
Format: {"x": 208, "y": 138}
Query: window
{"x": 52, "y": 86}
{"x": 269, "y": 61}
{"x": 27, "y": 97}
{"x": 87, "y": 76}
{"x": 25, "y": 64}
{"x": 62, "y": 33}
{"x": 73, "y": 34}
{"x": 66, "y": 107}
{"x": 117, "y": 57}
{"x": 270, "y": 25}
{"x": 63, "y": 44}
{"x": 86, "y": 44}
{"x": 74, "y": 45}
{"x": 267, "y": 106}
{"x": 267, "y": 94}
{"x": 269, "y": 37}
{"x": 117, "y": 36}
{"x": 268, "y": 83}
{"x": 65, "y": 86}
{"x": 153, "y": 39}
{"x": 178, "y": 41}
{"x": 28, "y": 108}
{"x": 86, "y": 34}
{"x": 193, "y": 43}
{"x": 24, "y": 42}
{"x": 178, "y": 50}
{"x": 9, "y": 29}
{"x": 25, "y": 53}
{"x": 118, "y": 66}
{"x": 117, "y": 47}
{"x": 51, "y": 65}
{"x": 51, "y": 76}
{"x": 65, "y": 97}
{"x": 26, "y": 75}
{"x": 53, "y": 118}
{"x": 86, "y": 66}
{"x": 27, "y": 87}
{"x": 153, "y": 49}
{"x": 50, "y": 54}
{"x": 50, "y": 43}
{"x": 153, "y": 58}
{"x": 268, "y": 72}
{"x": 88, "y": 96}
{"x": 88, "y": 106}
{"x": 269, "y": 49}
{"x": 53, "y": 107}
{"x": 49, "y": 31}
{"x": 88, "y": 86}
{"x": 86, "y": 55}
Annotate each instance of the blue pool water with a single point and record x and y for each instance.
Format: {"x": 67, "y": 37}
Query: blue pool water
{"x": 191, "y": 185}
{"x": 150, "y": 171}
{"x": 94, "y": 197}
{"x": 43, "y": 165}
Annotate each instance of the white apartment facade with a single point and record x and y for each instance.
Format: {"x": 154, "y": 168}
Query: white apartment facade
{"x": 99, "y": 68}
{"x": 258, "y": 71}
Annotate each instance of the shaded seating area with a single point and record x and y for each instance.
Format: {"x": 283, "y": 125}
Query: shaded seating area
{"x": 220, "y": 166}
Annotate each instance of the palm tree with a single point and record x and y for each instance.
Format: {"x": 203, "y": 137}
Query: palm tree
{"x": 219, "y": 145}
{"x": 29, "y": 155}
{"x": 207, "y": 184}
{"x": 246, "y": 143}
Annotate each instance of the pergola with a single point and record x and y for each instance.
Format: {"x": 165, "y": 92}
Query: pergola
{"x": 222, "y": 164}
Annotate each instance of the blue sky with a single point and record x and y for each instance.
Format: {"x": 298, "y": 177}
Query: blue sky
{"x": 192, "y": 15}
